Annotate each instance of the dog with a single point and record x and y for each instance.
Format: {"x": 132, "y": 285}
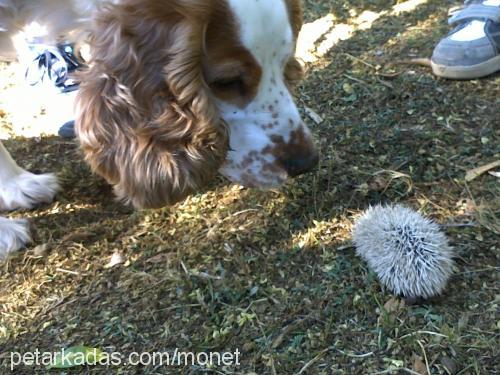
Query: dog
{"x": 177, "y": 91}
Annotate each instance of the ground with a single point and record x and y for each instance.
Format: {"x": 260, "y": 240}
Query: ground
{"x": 274, "y": 274}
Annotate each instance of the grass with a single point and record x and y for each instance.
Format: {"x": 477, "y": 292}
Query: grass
{"x": 274, "y": 274}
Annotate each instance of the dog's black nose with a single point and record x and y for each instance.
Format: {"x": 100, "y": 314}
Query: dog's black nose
{"x": 295, "y": 166}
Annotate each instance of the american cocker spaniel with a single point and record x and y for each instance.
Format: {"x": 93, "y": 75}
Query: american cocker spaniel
{"x": 178, "y": 91}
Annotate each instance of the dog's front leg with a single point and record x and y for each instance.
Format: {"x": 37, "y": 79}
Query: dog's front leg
{"x": 14, "y": 235}
{"x": 20, "y": 189}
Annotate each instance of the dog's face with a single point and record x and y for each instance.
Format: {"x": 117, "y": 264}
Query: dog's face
{"x": 250, "y": 69}
{"x": 180, "y": 89}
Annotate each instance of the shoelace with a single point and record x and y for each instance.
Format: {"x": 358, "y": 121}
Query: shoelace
{"x": 54, "y": 64}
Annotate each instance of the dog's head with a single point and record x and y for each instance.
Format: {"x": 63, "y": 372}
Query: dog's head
{"x": 178, "y": 90}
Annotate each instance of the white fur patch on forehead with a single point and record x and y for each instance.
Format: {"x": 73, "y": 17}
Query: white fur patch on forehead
{"x": 263, "y": 24}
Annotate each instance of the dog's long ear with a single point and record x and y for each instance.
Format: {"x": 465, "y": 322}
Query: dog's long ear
{"x": 145, "y": 118}
{"x": 294, "y": 71}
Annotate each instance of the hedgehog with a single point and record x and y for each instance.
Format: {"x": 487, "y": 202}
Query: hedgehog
{"x": 408, "y": 252}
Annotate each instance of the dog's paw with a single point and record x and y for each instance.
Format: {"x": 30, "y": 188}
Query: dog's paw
{"x": 26, "y": 190}
{"x": 14, "y": 235}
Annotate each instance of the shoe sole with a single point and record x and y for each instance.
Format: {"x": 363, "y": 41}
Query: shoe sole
{"x": 467, "y": 72}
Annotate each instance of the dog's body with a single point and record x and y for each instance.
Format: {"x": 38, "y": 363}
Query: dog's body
{"x": 178, "y": 90}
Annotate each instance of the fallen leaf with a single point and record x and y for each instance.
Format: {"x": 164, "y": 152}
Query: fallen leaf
{"x": 391, "y": 308}
{"x": 378, "y": 183}
{"x": 76, "y": 356}
{"x": 347, "y": 88}
{"x": 116, "y": 260}
{"x": 41, "y": 250}
{"x": 419, "y": 365}
{"x": 393, "y": 305}
{"x": 77, "y": 236}
{"x": 160, "y": 258}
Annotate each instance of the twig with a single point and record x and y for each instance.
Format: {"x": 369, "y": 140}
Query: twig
{"x": 479, "y": 271}
{"x": 360, "y": 60}
{"x": 355, "y": 79}
{"x": 67, "y": 271}
{"x": 476, "y": 172}
{"x": 273, "y": 368}
{"x": 390, "y": 75}
{"x": 241, "y": 213}
{"x": 284, "y": 332}
{"x": 391, "y": 370}
{"x": 470, "y": 194}
{"x": 178, "y": 307}
{"x": 312, "y": 361}
{"x": 422, "y": 61}
{"x": 459, "y": 225}
{"x": 355, "y": 355}
{"x": 423, "y": 333}
{"x": 425, "y": 357}
{"x": 184, "y": 268}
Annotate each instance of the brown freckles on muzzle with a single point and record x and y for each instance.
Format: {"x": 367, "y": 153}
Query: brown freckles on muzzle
{"x": 297, "y": 156}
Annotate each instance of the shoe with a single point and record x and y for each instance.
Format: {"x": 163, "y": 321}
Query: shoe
{"x": 67, "y": 131}
{"x": 472, "y": 49}
{"x": 53, "y": 65}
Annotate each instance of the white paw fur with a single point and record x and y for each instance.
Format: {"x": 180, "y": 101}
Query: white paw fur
{"x": 14, "y": 235}
{"x": 26, "y": 190}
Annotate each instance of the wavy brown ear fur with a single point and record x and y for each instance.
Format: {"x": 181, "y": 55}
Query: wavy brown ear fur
{"x": 145, "y": 117}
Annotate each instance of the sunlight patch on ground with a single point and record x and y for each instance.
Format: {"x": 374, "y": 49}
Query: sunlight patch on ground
{"x": 310, "y": 34}
{"x": 28, "y": 111}
{"x": 317, "y": 38}
{"x": 407, "y": 6}
{"x": 323, "y": 233}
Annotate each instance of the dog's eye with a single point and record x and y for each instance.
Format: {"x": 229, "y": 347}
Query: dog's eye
{"x": 229, "y": 84}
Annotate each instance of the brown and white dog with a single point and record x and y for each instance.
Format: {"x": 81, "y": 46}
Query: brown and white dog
{"x": 177, "y": 91}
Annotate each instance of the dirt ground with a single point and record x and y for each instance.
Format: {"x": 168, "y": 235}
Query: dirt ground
{"x": 274, "y": 274}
